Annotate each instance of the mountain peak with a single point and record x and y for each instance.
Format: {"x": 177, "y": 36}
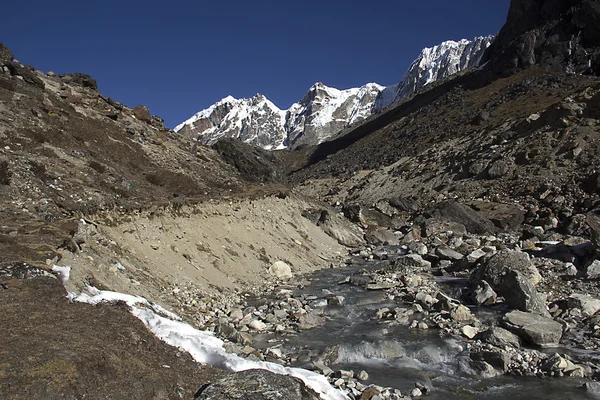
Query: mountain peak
{"x": 324, "y": 110}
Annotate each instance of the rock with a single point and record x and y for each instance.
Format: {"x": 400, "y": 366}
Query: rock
{"x": 469, "y": 331}
{"x": 402, "y": 204}
{"x": 281, "y": 270}
{"x": 465, "y": 215}
{"x": 310, "y": 320}
{"x": 587, "y": 304}
{"x": 484, "y": 295}
{"x": 446, "y": 253}
{"x": 256, "y": 384}
{"x": 382, "y": 237}
{"x": 6, "y": 55}
{"x": 494, "y": 270}
{"x": 500, "y": 337}
{"x": 342, "y": 230}
{"x": 592, "y": 271}
{"x": 236, "y": 314}
{"x": 475, "y": 255}
{"x": 362, "y": 375}
{"x": 411, "y": 261}
{"x": 435, "y": 226}
{"x": 506, "y": 217}
{"x": 142, "y": 113}
{"x": 462, "y": 314}
{"x": 257, "y": 325}
{"x": 369, "y": 393}
{"x": 416, "y": 392}
{"x": 519, "y": 293}
{"x": 592, "y": 388}
{"x": 325, "y": 370}
{"x": 418, "y": 248}
{"x": 533, "y": 328}
{"x": 381, "y": 285}
{"x": 498, "y": 169}
{"x": 79, "y": 79}
{"x": 560, "y": 36}
{"x": 497, "y": 358}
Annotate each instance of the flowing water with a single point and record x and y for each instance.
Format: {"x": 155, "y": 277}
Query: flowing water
{"x": 395, "y": 356}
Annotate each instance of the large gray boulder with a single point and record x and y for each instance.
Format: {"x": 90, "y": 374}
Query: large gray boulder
{"x": 512, "y": 275}
{"x": 256, "y": 384}
{"x": 495, "y": 269}
{"x": 451, "y": 211}
{"x": 533, "y": 328}
{"x": 519, "y": 293}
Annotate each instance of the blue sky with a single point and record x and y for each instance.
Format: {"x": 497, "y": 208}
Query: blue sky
{"x": 178, "y": 57}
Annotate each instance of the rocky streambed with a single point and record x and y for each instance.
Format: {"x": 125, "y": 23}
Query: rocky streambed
{"x": 443, "y": 313}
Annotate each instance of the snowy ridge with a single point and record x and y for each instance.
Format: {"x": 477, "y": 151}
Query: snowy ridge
{"x": 324, "y": 111}
{"x": 203, "y": 346}
{"x": 435, "y": 63}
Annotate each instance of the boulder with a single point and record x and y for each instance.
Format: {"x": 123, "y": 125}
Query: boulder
{"x": 462, "y": 314}
{"x": 592, "y": 271}
{"x": 484, "y": 295}
{"x": 498, "y": 169}
{"x": 142, "y": 113}
{"x": 534, "y": 328}
{"x": 587, "y": 304}
{"x": 506, "y": 217}
{"x": 496, "y": 357}
{"x": 256, "y": 384}
{"x": 446, "y": 253}
{"x": 382, "y": 236}
{"x": 519, "y": 293}
{"x": 411, "y": 261}
{"x": 281, "y": 270}
{"x": 494, "y": 270}
{"x": 500, "y": 337}
{"x": 310, "y": 320}
{"x": 451, "y": 211}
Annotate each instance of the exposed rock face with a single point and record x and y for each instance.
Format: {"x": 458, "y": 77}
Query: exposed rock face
{"x": 562, "y": 35}
{"x": 256, "y": 384}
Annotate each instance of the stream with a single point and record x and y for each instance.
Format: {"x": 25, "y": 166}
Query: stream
{"x": 396, "y": 356}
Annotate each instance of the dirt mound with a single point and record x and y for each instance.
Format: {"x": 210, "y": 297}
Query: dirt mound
{"x": 53, "y": 349}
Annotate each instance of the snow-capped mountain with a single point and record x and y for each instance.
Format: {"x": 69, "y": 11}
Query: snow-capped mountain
{"x": 324, "y": 111}
{"x": 255, "y": 120}
{"x": 435, "y": 63}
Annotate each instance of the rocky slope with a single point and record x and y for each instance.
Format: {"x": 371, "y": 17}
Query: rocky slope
{"x": 324, "y": 111}
{"x": 490, "y": 178}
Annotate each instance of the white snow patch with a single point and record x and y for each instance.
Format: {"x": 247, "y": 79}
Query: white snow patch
{"x": 203, "y": 346}
{"x": 63, "y": 273}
